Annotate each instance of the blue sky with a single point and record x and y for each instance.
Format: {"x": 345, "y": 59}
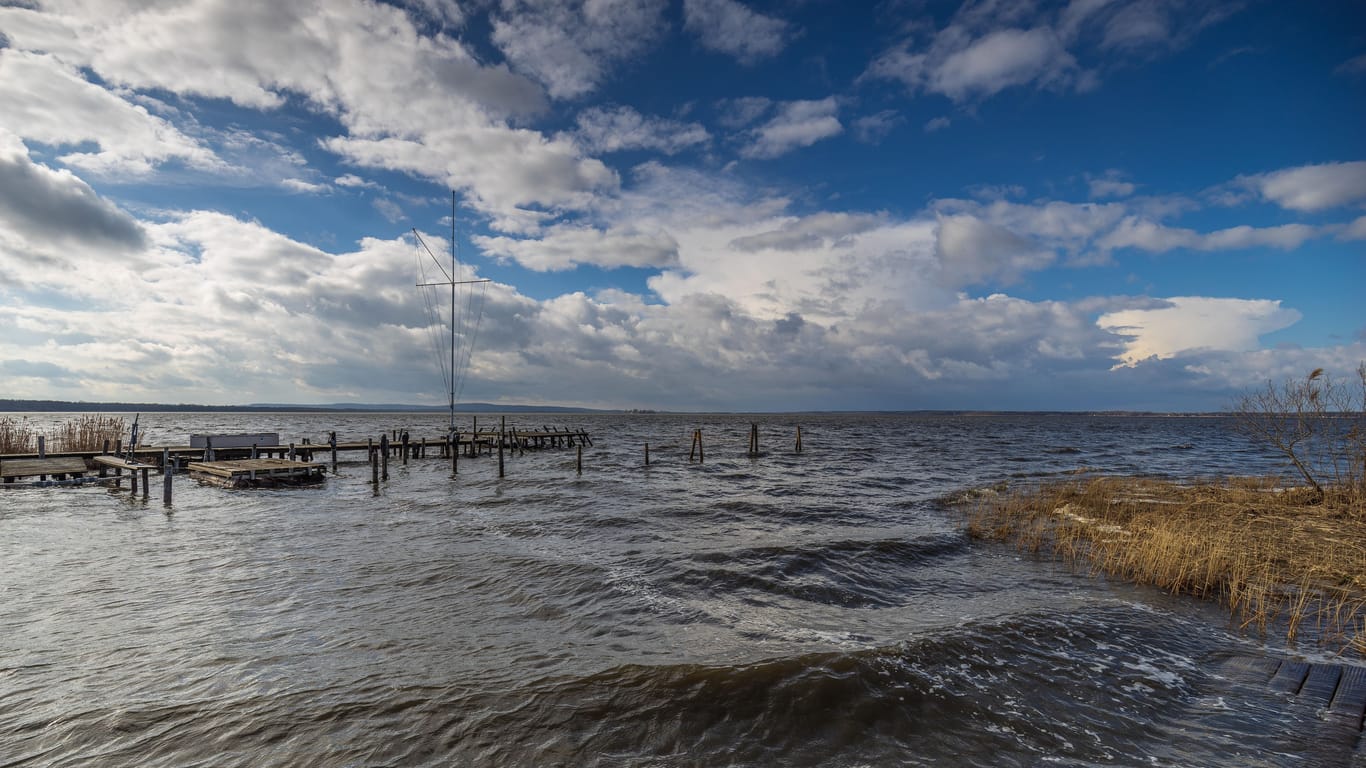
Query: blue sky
{"x": 690, "y": 204}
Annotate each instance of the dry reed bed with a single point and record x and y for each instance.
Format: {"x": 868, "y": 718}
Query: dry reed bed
{"x": 84, "y": 433}
{"x": 1269, "y": 554}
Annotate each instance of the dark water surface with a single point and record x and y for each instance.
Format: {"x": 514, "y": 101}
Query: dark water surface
{"x": 821, "y": 609}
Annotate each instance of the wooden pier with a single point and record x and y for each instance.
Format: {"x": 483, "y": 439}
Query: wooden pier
{"x": 255, "y": 473}
{"x": 59, "y": 468}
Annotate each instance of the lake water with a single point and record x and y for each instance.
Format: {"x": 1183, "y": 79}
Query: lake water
{"x": 816, "y": 609}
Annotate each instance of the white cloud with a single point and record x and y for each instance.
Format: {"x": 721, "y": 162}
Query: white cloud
{"x": 352, "y": 181}
{"x": 1000, "y": 60}
{"x": 730, "y": 27}
{"x": 566, "y": 246}
{"x": 570, "y": 46}
{"x": 1353, "y": 66}
{"x": 972, "y": 251}
{"x": 419, "y": 104}
{"x": 1144, "y": 234}
{"x": 936, "y": 124}
{"x": 47, "y": 101}
{"x": 1110, "y": 184}
{"x": 623, "y": 128}
{"x": 872, "y": 129}
{"x": 1312, "y": 187}
{"x": 1354, "y": 231}
{"x": 41, "y": 208}
{"x": 299, "y": 186}
{"x": 797, "y": 124}
{"x": 1188, "y": 324}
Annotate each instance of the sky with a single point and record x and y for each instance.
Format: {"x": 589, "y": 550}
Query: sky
{"x": 776, "y": 205}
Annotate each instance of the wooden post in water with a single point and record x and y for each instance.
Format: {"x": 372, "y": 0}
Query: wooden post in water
{"x": 292, "y": 455}
{"x": 42, "y": 452}
{"x": 374, "y": 468}
{"x": 146, "y": 486}
{"x": 332, "y": 442}
{"x": 208, "y": 449}
{"x": 647, "y": 454}
{"x": 579, "y": 462}
{"x": 502, "y": 438}
{"x": 166, "y": 471}
{"x": 133, "y": 479}
{"x": 405, "y": 447}
{"x": 384, "y": 453}
{"x": 106, "y": 446}
{"x": 454, "y": 439}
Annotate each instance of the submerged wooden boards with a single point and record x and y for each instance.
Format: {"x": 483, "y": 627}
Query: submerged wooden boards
{"x": 246, "y": 473}
{"x": 1335, "y": 693}
{"x": 10, "y": 469}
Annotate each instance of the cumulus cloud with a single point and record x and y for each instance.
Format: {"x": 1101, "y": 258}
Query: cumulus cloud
{"x": 570, "y": 46}
{"x": 1110, "y": 184}
{"x": 42, "y": 205}
{"x": 566, "y": 246}
{"x": 48, "y": 101}
{"x": 796, "y": 124}
{"x": 1311, "y": 187}
{"x": 1187, "y": 324}
{"x": 423, "y": 105}
{"x": 1135, "y": 232}
{"x": 614, "y": 129}
{"x": 732, "y": 28}
{"x": 992, "y": 46}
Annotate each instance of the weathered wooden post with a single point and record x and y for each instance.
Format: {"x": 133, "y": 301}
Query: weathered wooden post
{"x": 579, "y": 462}
{"x": 384, "y": 453}
{"x": 405, "y": 447}
{"x": 692, "y": 447}
{"x": 146, "y": 486}
{"x": 106, "y": 448}
{"x": 647, "y": 454}
{"x": 374, "y": 468}
{"x": 502, "y": 438}
{"x": 42, "y": 453}
{"x": 292, "y": 454}
{"x": 133, "y": 480}
{"x": 208, "y": 449}
{"x": 422, "y": 449}
{"x": 332, "y": 442}
{"x": 799, "y": 438}
{"x": 167, "y": 469}
{"x": 454, "y": 439}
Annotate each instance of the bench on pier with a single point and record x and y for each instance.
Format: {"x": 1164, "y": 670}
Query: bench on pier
{"x": 118, "y": 462}
{"x": 12, "y": 469}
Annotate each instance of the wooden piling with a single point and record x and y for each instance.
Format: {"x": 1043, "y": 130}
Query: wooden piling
{"x": 579, "y": 462}
{"x": 332, "y": 441}
{"x": 405, "y": 447}
{"x": 799, "y": 438}
{"x": 133, "y": 479}
{"x": 146, "y": 486}
{"x": 292, "y": 454}
{"x": 502, "y": 438}
{"x": 42, "y": 454}
{"x": 647, "y": 454}
{"x": 374, "y": 468}
{"x": 167, "y": 470}
{"x": 384, "y": 454}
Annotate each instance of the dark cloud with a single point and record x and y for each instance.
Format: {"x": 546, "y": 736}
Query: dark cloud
{"x": 45, "y": 206}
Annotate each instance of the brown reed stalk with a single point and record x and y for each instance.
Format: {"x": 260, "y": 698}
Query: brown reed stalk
{"x": 1292, "y": 558}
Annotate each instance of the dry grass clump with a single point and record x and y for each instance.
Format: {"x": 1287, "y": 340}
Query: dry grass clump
{"x": 84, "y": 433}
{"x": 1270, "y": 554}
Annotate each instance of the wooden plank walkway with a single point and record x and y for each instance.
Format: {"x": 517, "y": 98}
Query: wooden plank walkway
{"x": 249, "y": 472}
{"x": 1334, "y": 693}
{"x": 59, "y": 468}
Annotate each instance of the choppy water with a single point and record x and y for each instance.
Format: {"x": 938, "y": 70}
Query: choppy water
{"x": 820, "y": 609}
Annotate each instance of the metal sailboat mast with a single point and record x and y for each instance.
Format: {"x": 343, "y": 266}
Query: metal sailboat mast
{"x": 452, "y": 282}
